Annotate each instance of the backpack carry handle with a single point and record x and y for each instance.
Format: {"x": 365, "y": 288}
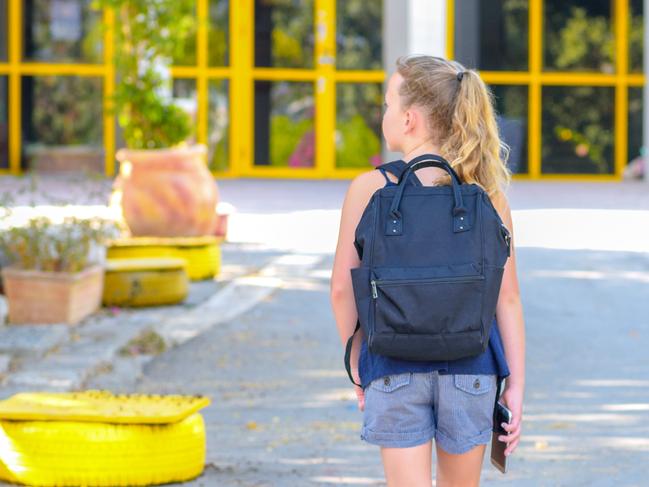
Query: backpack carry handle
{"x": 428, "y": 160}
{"x": 460, "y": 220}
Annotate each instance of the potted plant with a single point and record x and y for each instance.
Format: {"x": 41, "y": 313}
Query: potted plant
{"x": 52, "y": 276}
{"x": 164, "y": 187}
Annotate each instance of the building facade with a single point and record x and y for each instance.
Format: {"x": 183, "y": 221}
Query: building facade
{"x": 293, "y": 88}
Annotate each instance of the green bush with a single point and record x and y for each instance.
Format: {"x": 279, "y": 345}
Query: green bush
{"x": 357, "y": 143}
{"x": 285, "y": 135}
{"x": 67, "y": 110}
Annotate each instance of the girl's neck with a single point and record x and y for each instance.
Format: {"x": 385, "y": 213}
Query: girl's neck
{"x": 425, "y": 147}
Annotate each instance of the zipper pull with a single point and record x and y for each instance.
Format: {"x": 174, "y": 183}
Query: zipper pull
{"x": 374, "y": 293}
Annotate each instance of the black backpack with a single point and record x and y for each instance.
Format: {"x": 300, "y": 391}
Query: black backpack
{"x": 432, "y": 260}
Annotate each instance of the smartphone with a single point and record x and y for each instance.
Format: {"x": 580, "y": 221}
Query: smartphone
{"x": 498, "y": 458}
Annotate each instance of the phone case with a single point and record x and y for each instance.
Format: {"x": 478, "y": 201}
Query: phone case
{"x": 498, "y": 458}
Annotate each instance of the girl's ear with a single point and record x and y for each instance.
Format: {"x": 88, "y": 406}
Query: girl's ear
{"x": 409, "y": 120}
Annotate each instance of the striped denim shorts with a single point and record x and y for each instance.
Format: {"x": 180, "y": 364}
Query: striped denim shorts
{"x": 409, "y": 409}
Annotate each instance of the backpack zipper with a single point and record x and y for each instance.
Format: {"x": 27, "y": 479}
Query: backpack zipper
{"x": 393, "y": 282}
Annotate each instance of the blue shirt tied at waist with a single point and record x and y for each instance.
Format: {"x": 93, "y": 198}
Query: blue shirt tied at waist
{"x": 492, "y": 361}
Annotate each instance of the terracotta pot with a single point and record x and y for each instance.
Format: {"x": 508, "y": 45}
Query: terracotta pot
{"x": 52, "y": 297}
{"x": 167, "y": 192}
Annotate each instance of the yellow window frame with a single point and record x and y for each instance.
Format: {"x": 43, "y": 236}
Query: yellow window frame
{"x": 535, "y": 78}
{"x": 240, "y": 74}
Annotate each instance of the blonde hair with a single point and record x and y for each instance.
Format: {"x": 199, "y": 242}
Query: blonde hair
{"x": 461, "y": 118}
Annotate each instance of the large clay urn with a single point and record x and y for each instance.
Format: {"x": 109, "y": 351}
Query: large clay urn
{"x": 166, "y": 192}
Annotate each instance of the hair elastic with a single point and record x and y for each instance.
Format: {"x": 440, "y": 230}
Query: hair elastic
{"x": 460, "y": 75}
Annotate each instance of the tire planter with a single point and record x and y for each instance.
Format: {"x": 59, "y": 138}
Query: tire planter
{"x": 201, "y": 254}
{"x": 145, "y": 282}
{"x": 95, "y": 438}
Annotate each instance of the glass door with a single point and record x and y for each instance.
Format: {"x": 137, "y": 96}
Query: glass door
{"x": 316, "y": 87}
{"x": 284, "y": 84}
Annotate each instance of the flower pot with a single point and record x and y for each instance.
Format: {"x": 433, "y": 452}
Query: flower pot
{"x": 52, "y": 297}
{"x": 166, "y": 192}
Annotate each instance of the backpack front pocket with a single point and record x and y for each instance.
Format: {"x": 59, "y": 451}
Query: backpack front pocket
{"x": 427, "y": 301}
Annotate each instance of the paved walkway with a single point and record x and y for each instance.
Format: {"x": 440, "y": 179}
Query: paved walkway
{"x": 283, "y": 411}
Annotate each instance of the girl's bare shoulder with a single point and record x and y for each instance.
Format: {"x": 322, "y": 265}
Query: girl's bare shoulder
{"x": 500, "y": 202}
{"x": 364, "y": 186}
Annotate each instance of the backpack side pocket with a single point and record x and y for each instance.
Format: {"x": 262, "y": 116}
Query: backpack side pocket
{"x": 362, "y": 295}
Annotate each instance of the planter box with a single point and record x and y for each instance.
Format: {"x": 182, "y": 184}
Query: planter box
{"x": 81, "y": 158}
{"x": 52, "y": 297}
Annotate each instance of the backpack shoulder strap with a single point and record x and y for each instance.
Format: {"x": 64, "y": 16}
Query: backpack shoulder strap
{"x": 397, "y": 168}
{"x": 387, "y": 179}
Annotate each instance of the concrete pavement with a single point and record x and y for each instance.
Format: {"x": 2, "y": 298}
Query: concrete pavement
{"x": 284, "y": 413}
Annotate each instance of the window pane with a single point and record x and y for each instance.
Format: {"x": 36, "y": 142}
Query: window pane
{"x": 358, "y": 124}
{"x": 492, "y": 34}
{"x": 185, "y": 97}
{"x": 636, "y": 33}
{"x": 219, "y": 125}
{"x": 284, "y": 33}
{"x": 4, "y": 129}
{"x": 284, "y": 113}
{"x": 511, "y": 108}
{"x": 219, "y": 33}
{"x": 635, "y": 122}
{"x": 62, "y": 122}
{"x": 62, "y": 30}
{"x": 4, "y": 14}
{"x": 359, "y": 34}
{"x": 577, "y": 129}
{"x": 578, "y": 36}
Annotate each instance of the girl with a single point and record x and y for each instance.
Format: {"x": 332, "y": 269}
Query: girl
{"x": 435, "y": 106}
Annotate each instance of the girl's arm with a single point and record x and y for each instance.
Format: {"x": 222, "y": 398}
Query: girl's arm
{"x": 341, "y": 291}
{"x": 509, "y": 316}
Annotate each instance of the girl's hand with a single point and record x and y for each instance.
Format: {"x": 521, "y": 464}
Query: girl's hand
{"x": 512, "y": 397}
{"x": 360, "y": 394}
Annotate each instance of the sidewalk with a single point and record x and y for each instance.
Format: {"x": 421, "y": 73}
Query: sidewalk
{"x": 60, "y": 357}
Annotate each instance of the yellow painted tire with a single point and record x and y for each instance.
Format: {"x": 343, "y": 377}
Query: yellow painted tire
{"x": 145, "y": 282}
{"x": 62, "y": 453}
{"x": 202, "y": 262}
{"x": 202, "y": 254}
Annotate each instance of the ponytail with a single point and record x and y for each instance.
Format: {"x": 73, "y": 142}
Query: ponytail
{"x": 462, "y": 119}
